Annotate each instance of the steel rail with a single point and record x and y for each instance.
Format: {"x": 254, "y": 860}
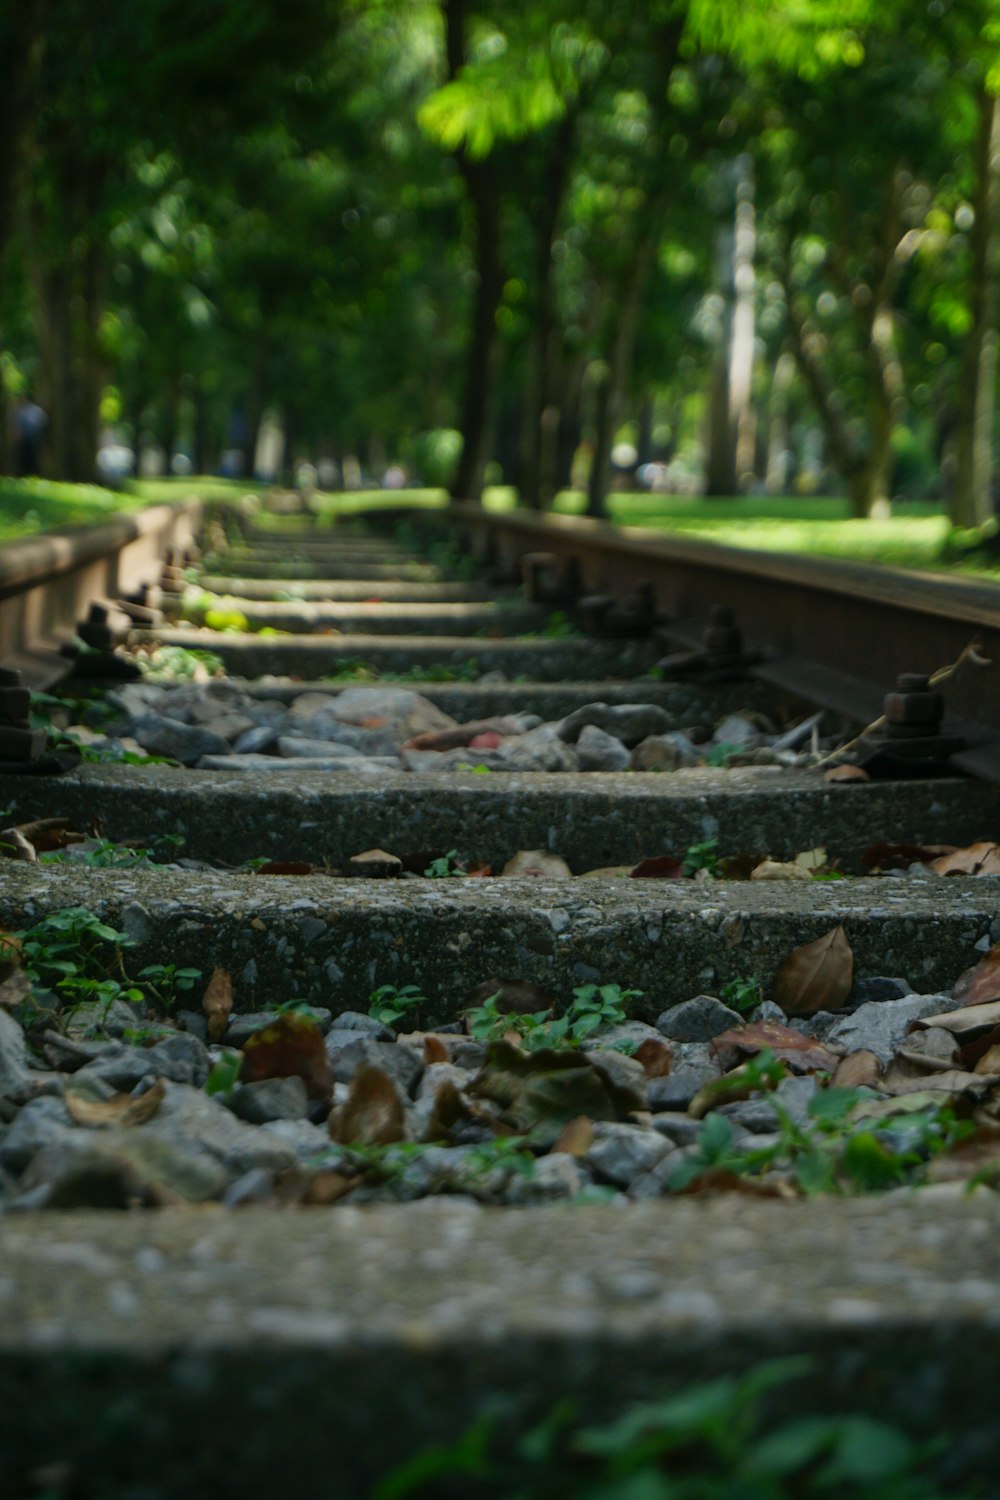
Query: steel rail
{"x": 839, "y": 632}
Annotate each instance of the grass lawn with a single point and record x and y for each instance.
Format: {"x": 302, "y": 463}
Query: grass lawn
{"x": 917, "y": 536}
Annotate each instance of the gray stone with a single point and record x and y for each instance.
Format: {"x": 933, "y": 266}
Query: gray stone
{"x": 93, "y": 1018}
{"x": 184, "y": 742}
{"x": 422, "y": 761}
{"x": 274, "y": 763}
{"x": 880, "y": 1025}
{"x": 356, "y": 1020}
{"x": 120, "y": 1066}
{"x": 406, "y": 710}
{"x": 270, "y": 1099}
{"x": 933, "y": 1043}
{"x": 758, "y": 1116}
{"x": 540, "y": 749}
{"x": 665, "y": 752}
{"x": 435, "y": 1074}
{"x": 14, "y": 1067}
{"x": 302, "y": 749}
{"x": 598, "y": 751}
{"x": 403, "y": 1065}
{"x": 41, "y": 1122}
{"x": 233, "y": 726}
{"x": 735, "y": 729}
{"x": 634, "y": 1032}
{"x": 768, "y": 1011}
{"x": 626, "y": 1075}
{"x": 556, "y": 1176}
{"x": 181, "y": 1058}
{"x": 193, "y": 1123}
{"x": 628, "y": 722}
{"x": 106, "y": 1169}
{"x": 880, "y": 988}
{"x": 680, "y": 1086}
{"x": 256, "y": 741}
{"x": 655, "y": 1181}
{"x": 255, "y": 1186}
{"x": 301, "y": 1137}
{"x": 620, "y": 1153}
{"x": 697, "y": 1020}
{"x": 682, "y": 1129}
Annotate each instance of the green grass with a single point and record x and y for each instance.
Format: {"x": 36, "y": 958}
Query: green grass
{"x": 917, "y": 536}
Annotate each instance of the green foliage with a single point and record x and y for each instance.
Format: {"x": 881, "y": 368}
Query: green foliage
{"x": 732, "y": 1438}
{"x": 444, "y": 867}
{"x": 390, "y": 1003}
{"x": 848, "y": 1143}
{"x": 169, "y": 981}
{"x": 181, "y": 664}
{"x": 224, "y": 1074}
{"x": 743, "y": 995}
{"x": 703, "y": 856}
{"x": 592, "y": 1009}
{"x": 68, "y": 953}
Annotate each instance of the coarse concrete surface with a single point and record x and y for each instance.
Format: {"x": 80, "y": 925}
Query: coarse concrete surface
{"x": 512, "y": 617}
{"x": 332, "y": 941}
{"x": 592, "y": 819}
{"x": 305, "y": 1352}
{"x": 547, "y": 658}
{"x": 356, "y": 591}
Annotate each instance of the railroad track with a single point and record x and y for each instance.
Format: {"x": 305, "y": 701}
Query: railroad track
{"x": 185, "y": 1321}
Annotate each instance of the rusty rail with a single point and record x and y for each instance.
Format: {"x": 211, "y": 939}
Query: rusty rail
{"x": 837, "y": 632}
{"x": 47, "y": 581}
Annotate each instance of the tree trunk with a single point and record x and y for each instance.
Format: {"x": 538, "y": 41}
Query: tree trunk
{"x": 972, "y": 499}
{"x": 542, "y": 412}
{"x": 729, "y": 439}
{"x": 611, "y": 389}
{"x": 21, "y": 42}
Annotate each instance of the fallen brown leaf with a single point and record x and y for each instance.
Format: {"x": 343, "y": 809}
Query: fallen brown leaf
{"x": 658, "y": 867}
{"x": 120, "y": 1109}
{"x": 980, "y": 984}
{"x": 435, "y": 1050}
{"x": 977, "y": 859}
{"x": 375, "y": 864}
{"x": 217, "y": 1003}
{"x": 774, "y": 869}
{"x": 329, "y": 1187}
{"x": 846, "y": 773}
{"x": 539, "y": 864}
{"x": 286, "y": 867}
{"x": 816, "y": 976}
{"x": 372, "y": 1114}
{"x": 967, "y": 1022}
{"x": 290, "y": 1047}
{"x": 656, "y": 1058}
{"x": 576, "y": 1137}
{"x": 857, "y": 1070}
{"x": 800, "y": 1053}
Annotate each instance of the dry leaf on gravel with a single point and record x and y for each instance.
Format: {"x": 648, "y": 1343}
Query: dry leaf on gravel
{"x": 816, "y": 976}
{"x": 967, "y": 1022}
{"x": 773, "y": 869}
{"x": 41, "y": 836}
{"x": 901, "y": 856}
{"x": 375, "y": 864}
{"x": 801, "y": 1053}
{"x": 290, "y": 1047}
{"x": 846, "y": 773}
{"x": 606, "y": 872}
{"x": 120, "y": 1109}
{"x": 858, "y": 1070}
{"x": 655, "y": 1057}
{"x": 329, "y": 1187}
{"x": 658, "y": 867}
{"x": 217, "y": 1003}
{"x": 575, "y": 1138}
{"x": 435, "y": 1050}
{"x": 537, "y": 863}
{"x": 543, "y": 1091}
{"x": 723, "y": 1180}
{"x": 514, "y": 996}
{"x": 977, "y": 859}
{"x": 373, "y": 1113}
{"x": 15, "y": 989}
{"x": 980, "y": 984}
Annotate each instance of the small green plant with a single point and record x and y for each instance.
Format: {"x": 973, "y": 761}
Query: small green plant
{"x": 743, "y": 995}
{"x": 559, "y": 625}
{"x": 225, "y": 1073}
{"x": 721, "y": 754}
{"x": 67, "y": 953}
{"x": 592, "y": 1008}
{"x": 703, "y": 856}
{"x": 168, "y": 982}
{"x": 180, "y": 664}
{"x": 840, "y": 1148}
{"x": 390, "y": 1003}
{"x": 444, "y": 867}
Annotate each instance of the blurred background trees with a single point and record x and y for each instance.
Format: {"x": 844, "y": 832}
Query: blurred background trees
{"x": 726, "y": 248}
